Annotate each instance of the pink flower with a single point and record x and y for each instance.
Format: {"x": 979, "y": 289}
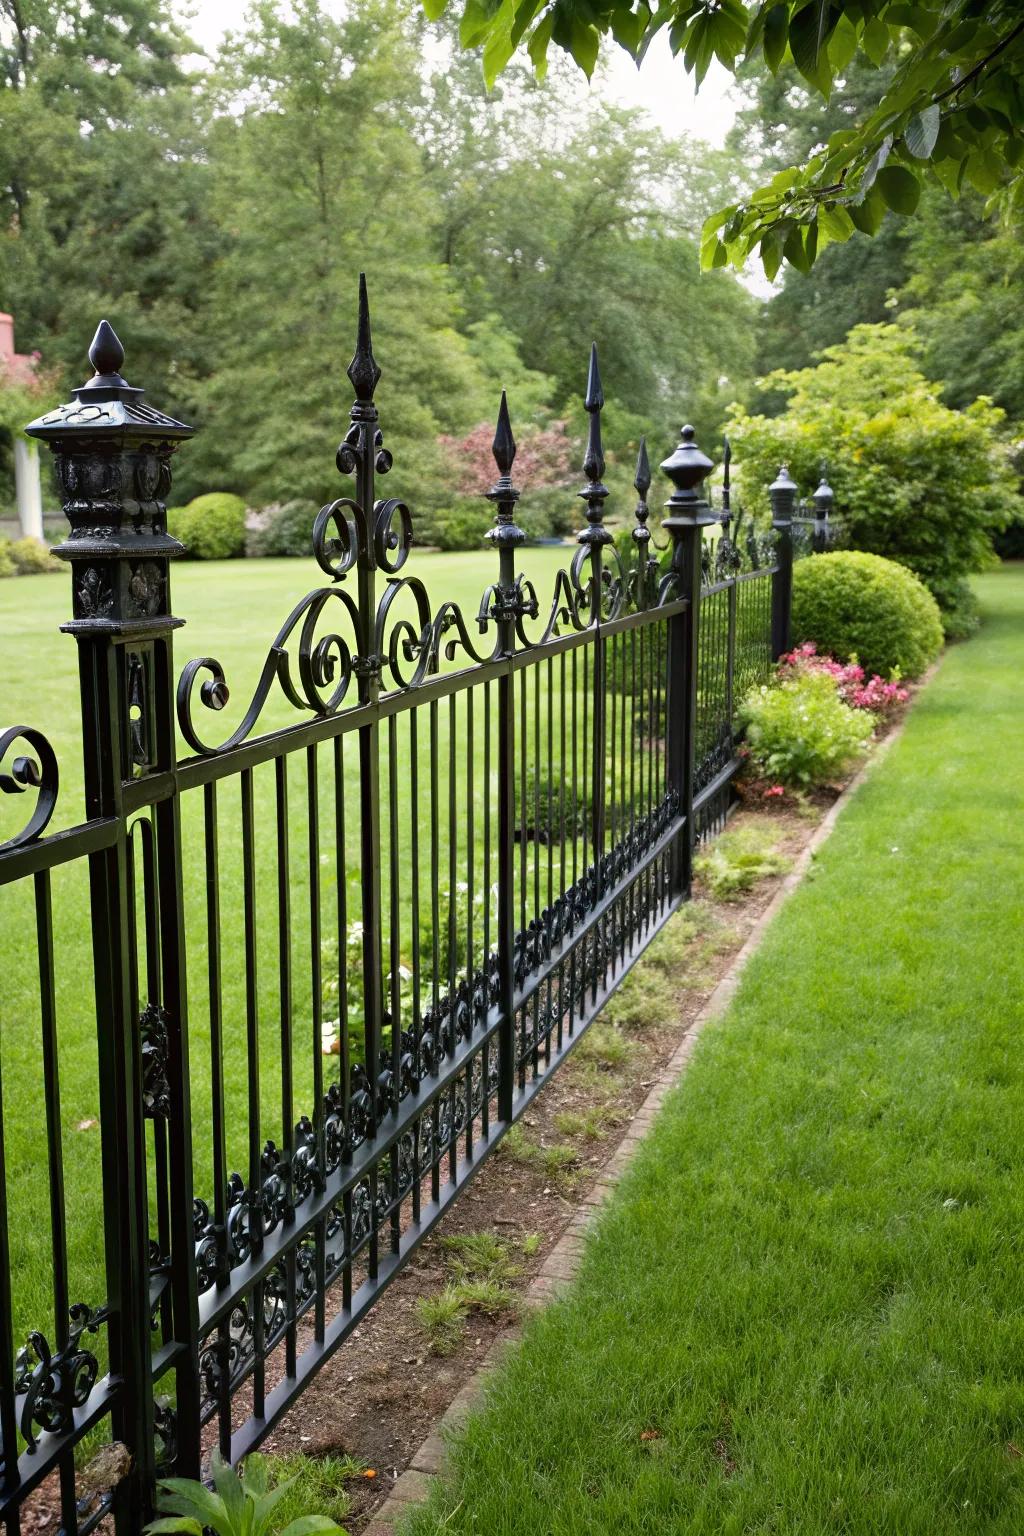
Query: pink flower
{"x": 774, "y": 792}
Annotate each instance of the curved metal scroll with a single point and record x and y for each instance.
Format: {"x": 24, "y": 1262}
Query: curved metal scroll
{"x": 27, "y": 774}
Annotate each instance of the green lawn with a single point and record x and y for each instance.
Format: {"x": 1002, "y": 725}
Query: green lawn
{"x": 804, "y": 1309}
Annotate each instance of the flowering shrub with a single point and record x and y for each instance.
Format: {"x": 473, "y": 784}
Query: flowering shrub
{"x": 800, "y": 732}
{"x": 852, "y": 685}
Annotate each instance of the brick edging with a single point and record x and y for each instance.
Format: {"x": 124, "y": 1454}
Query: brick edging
{"x": 560, "y": 1266}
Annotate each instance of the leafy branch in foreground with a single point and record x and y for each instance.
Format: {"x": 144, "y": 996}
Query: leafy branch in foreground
{"x": 952, "y": 110}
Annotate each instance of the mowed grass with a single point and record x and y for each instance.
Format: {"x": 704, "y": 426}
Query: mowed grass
{"x": 804, "y": 1310}
{"x": 233, "y": 611}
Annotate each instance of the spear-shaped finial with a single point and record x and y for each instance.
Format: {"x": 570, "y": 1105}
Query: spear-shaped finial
{"x": 363, "y": 370}
{"x": 594, "y": 493}
{"x": 504, "y": 445}
{"x": 642, "y": 484}
{"x": 726, "y": 483}
{"x": 503, "y": 493}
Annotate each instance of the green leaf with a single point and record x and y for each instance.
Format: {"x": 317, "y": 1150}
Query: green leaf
{"x": 182, "y": 1524}
{"x": 719, "y": 255}
{"x": 984, "y": 170}
{"x": 229, "y": 1485}
{"x": 537, "y": 47}
{"x": 474, "y": 25}
{"x": 435, "y": 9}
{"x": 309, "y": 1525}
{"x": 836, "y": 223}
{"x": 923, "y": 131}
{"x": 900, "y": 188}
{"x": 875, "y": 40}
{"x": 876, "y": 162}
{"x": 584, "y": 46}
{"x": 628, "y": 28}
{"x": 776, "y": 36}
{"x": 809, "y": 30}
{"x": 256, "y": 1474}
{"x": 184, "y": 1495}
{"x": 795, "y": 251}
{"x": 771, "y": 252}
{"x": 868, "y": 214}
{"x": 842, "y": 45}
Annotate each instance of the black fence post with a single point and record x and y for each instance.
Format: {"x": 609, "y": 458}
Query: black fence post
{"x": 507, "y": 537}
{"x": 783, "y": 496}
{"x": 112, "y": 459}
{"x": 689, "y": 515}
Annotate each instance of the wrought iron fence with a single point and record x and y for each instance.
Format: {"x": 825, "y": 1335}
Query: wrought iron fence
{"x": 339, "y": 954}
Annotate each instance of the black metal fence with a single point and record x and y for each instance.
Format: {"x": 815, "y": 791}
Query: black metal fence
{"x": 338, "y": 955}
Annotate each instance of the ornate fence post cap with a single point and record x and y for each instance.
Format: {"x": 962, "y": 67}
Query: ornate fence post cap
{"x": 111, "y": 455}
{"x": 782, "y": 493}
{"x": 364, "y": 370}
{"x": 595, "y": 492}
{"x": 687, "y": 467}
{"x": 106, "y": 406}
{"x": 824, "y": 497}
{"x": 642, "y": 484}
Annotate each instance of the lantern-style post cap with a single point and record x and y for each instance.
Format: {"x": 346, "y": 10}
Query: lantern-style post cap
{"x": 687, "y": 468}
{"x": 782, "y": 493}
{"x": 111, "y": 455}
{"x": 824, "y": 498}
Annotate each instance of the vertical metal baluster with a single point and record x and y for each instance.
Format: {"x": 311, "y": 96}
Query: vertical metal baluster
{"x": 395, "y": 953}
{"x": 252, "y": 1040}
{"x": 341, "y": 883}
{"x": 452, "y": 937}
{"x": 55, "y": 1160}
{"x": 550, "y": 840}
{"x": 578, "y": 815}
{"x": 220, "y": 1158}
{"x": 153, "y": 995}
{"x": 435, "y": 944}
{"x": 485, "y": 1114}
{"x": 470, "y": 894}
{"x": 284, "y": 972}
{"x": 414, "y": 897}
{"x": 563, "y": 883}
{"x": 535, "y": 919}
{"x": 9, "y": 1476}
{"x": 524, "y": 1012}
{"x": 317, "y": 994}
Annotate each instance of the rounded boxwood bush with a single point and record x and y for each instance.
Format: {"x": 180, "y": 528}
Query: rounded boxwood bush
{"x": 212, "y": 527}
{"x": 283, "y": 530}
{"x": 854, "y": 604}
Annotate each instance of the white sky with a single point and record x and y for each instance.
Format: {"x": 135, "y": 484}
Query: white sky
{"x": 661, "y": 87}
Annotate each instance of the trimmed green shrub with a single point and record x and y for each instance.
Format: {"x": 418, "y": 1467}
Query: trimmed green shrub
{"x": 212, "y": 527}
{"x": 461, "y": 525}
{"x": 284, "y": 530}
{"x": 856, "y": 605}
{"x": 800, "y": 732}
{"x": 914, "y": 480}
{"x": 32, "y": 557}
{"x": 6, "y": 558}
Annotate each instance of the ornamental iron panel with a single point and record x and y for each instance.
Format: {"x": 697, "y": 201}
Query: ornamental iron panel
{"x": 447, "y": 835}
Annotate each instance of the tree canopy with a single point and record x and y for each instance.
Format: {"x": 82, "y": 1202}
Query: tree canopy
{"x": 948, "y": 104}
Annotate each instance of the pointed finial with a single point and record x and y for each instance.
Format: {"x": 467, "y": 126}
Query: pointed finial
{"x": 642, "y": 478}
{"x": 106, "y": 355}
{"x": 504, "y": 445}
{"x": 593, "y": 401}
{"x": 726, "y": 482}
{"x": 363, "y": 370}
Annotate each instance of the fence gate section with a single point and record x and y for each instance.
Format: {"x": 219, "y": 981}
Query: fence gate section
{"x": 313, "y": 970}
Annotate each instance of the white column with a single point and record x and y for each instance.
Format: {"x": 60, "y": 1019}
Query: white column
{"x": 28, "y": 488}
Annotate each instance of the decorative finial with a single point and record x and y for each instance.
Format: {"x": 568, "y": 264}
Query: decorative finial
{"x": 363, "y": 370}
{"x": 504, "y": 445}
{"x": 726, "y": 482}
{"x": 642, "y": 484}
{"x": 593, "y": 402}
{"x": 106, "y": 353}
{"x": 503, "y": 493}
{"x": 687, "y": 468}
{"x": 782, "y": 493}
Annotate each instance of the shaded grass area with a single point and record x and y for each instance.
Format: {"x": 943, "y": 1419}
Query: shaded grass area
{"x": 804, "y": 1309}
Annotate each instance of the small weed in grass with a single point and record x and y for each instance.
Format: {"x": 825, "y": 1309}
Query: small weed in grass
{"x": 481, "y": 1268}
{"x": 605, "y": 1046}
{"x": 588, "y": 1124}
{"x": 443, "y": 1317}
{"x": 557, "y": 1163}
{"x": 737, "y": 860}
{"x": 531, "y": 1244}
{"x": 318, "y": 1487}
